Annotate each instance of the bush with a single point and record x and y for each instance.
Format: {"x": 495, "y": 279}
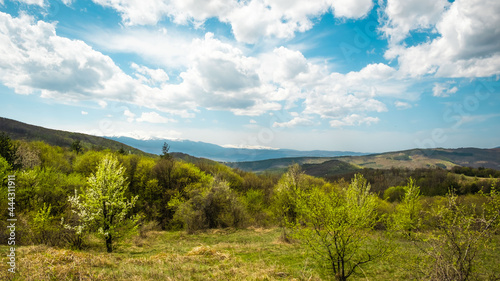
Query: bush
{"x": 216, "y": 208}
{"x": 394, "y": 193}
{"x": 256, "y": 206}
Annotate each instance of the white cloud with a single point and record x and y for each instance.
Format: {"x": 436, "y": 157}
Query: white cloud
{"x": 68, "y": 2}
{"x": 353, "y": 9}
{"x": 84, "y": 112}
{"x": 477, "y": 118}
{"x": 40, "y": 3}
{"x": 354, "y": 120}
{"x": 130, "y": 116}
{"x": 155, "y": 75}
{"x": 402, "y": 105}
{"x": 250, "y": 20}
{"x": 153, "y": 117}
{"x": 443, "y": 90}
{"x": 102, "y": 104}
{"x": 170, "y": 50}
{"x": 35, "y": 59}
{"x": 296, "y": 121}
{"x": 405, "y": 16}
{"x": 217, "y": 76}
{"x": 467, "y": 45}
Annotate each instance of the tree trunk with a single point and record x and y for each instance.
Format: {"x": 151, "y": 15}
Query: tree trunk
{"x": 109, "y": 244}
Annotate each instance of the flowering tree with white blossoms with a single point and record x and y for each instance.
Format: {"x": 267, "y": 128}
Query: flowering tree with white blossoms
{"x": 102, "y": 206}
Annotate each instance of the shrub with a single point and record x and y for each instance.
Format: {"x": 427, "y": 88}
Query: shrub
{"x": 215, "y": 208}
{"x": 394, "y": 193}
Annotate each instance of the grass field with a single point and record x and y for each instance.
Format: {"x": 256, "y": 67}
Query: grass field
{"x": 250, "y": 254}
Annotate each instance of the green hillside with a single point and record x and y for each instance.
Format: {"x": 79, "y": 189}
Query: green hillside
{"x": 277, "y": 165}
{"x": 411, "y": 159}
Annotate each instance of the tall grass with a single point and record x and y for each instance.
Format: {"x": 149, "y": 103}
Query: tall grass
{"x": 228, "y": 254}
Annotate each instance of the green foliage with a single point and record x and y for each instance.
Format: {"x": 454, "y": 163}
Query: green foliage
{"x": 217, "y": 207}
{"x": 54, "y": 157}
{"x": 336, "y": 226}
{"x": 44, "y": 227}
{"x": 86, "y": 163}
{"x": 256, "y": 207}
{"x": 4, "y": 169}
{"x": 102, "y": 206}
{"x": 461, "y": 235}
{"x": 284, "y": 204}
{"x": 406, "y": 218}
{"x": 45, "y": 186}
{"x": 76, "y": 146}
{"x": 394, "y": 193}
{"x": 8, "y": 149}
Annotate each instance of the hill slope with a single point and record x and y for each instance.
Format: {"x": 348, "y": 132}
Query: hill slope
{"x": 21, "y": 131}
{"x": 412, "y": 159}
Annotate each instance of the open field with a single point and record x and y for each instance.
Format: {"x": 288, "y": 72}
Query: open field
{"x": 250, "y": 254}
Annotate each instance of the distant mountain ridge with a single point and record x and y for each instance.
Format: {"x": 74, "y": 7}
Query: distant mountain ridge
{"x": 225, "y": 154}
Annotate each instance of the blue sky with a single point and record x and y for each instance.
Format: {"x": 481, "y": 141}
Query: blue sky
{"x": 359, "y": 75}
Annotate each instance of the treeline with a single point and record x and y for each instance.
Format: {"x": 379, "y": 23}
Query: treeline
{"x": 476, "y": 172}
{"x": 432, "y": 181}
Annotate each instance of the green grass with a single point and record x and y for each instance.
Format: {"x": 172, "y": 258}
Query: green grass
{"x": 250, "y": 254}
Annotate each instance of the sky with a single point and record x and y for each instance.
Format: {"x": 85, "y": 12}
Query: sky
{"x": 352, "y": 75}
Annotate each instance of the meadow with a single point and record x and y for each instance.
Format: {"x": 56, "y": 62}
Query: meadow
{"x": 220, "y": 254}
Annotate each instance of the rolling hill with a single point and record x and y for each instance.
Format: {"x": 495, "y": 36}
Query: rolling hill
{"x": 412, "y": 159}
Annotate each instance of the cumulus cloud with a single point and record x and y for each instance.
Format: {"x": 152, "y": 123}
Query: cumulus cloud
{"x": 353, "y": 9}
{"x": 467, "y": 45}
{"x": 250, "y": 20}
{"x": 217, "y": 76}
{"x": 405, "y": 16}
{"x": 35, "y": 59}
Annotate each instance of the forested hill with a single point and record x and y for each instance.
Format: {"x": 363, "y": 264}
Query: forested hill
{"x": 411, "y": 159}
{"x": 22, "y": 131}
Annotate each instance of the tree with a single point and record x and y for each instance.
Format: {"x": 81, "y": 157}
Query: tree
{"x": 76, "y": 146}
{"x": 103, "y": 205}
{"x": 284, "y": 199}
{"x": 217, "y": 206}
{"x": 335, "y": 225}
{"x": 8, "y": 150}
{"x": 406, "y": 218}
{"x": 461, "y": 233}
{"x": 164, "y": 151}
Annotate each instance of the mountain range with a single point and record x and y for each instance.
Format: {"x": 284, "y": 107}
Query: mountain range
{"x": 257, "y": 160}
{"x": 225, "y": 154}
